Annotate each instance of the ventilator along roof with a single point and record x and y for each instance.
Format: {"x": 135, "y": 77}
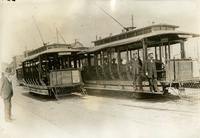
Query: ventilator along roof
{"x": 154, "y": 34}
{"x": 52, "y": 48}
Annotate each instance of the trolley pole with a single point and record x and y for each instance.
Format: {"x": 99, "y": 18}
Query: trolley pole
{"x": 144, "y": 53}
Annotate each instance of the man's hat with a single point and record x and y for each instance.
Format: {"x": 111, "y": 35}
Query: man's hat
{"x": 151, "y": 53}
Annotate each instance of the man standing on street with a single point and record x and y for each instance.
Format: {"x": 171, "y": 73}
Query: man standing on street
{"x": 150, "y": 71}
{"x": 6, "y": 93}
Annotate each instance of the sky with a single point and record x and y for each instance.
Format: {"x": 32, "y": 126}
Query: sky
{"x": 83, "y": 20}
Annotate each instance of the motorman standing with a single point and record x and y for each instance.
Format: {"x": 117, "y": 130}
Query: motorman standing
{"x": 136, "y": 70}
{"x": 151, "y": 73}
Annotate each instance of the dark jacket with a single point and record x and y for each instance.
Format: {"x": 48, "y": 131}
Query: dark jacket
{"x": 6, "y": 88}
{"x": 150, "y": 68}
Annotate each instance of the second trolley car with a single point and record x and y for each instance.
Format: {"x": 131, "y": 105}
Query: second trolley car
{"x": 52, "y": 70}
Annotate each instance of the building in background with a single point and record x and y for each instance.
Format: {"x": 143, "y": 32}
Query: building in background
{"x": 17, "y": 61}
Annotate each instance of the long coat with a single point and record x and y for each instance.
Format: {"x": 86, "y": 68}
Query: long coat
{"x": 136, "y": 67}
{"x": 6, "y": 88}
{"x": 150, "y": 68}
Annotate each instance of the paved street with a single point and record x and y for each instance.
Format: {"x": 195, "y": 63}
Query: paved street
{"x": 101, "y": 117}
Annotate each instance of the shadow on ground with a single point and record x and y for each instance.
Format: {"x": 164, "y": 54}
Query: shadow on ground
{"x": 45, "y": 98}
{"x": 159, "y": 98}
{"x": 78, "y": 96}
{"x": 138, "y": 96}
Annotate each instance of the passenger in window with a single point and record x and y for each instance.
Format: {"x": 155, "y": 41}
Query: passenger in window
{"x": 122, "y": 69}
{"x": 114, "y": 68}
{"x": 136, "y": 70}
{"x": 151, "y": 73}
{"x": 106, "y": 69}
{"x": 99, "y": 71}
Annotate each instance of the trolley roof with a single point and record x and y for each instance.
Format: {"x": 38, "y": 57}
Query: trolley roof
{"x": 153, "y": 35}
{"x": 52, "y": 48}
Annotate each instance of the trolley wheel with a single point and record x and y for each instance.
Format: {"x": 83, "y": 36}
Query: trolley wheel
{"x": 83, "y": 91}
{"x": 52, "y": 93}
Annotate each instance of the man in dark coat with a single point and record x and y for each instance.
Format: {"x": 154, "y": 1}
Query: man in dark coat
{"x": 136, "y": 70}
{"x": 122, "y": 69}
{"x": 151, "y": 73}
{"x": 106, "y": 69}
{"x": 6, "y": 94}
{"x": 114, "y": 68}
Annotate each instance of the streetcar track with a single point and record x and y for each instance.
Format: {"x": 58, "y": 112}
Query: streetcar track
{"x": 158, "y": 109}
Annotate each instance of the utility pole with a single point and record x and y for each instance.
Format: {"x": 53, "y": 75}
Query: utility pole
{"x": 57, "y": 36}
{"x": 198, "y": 52}
{"x": 26, "y": 51}
{"x": 132, "y": 21}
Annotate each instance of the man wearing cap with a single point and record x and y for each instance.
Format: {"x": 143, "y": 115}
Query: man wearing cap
{"x": 122, "y": 69}
{"x": 106, "y": 69}
{"x": 114, "y": 68}
{"x": 150, "y": 71}
{"x": 6, "y": 93}
{"x": 136, "y": 70}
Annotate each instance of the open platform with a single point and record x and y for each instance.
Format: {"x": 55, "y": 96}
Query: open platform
{"x": 119, "y": 88}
